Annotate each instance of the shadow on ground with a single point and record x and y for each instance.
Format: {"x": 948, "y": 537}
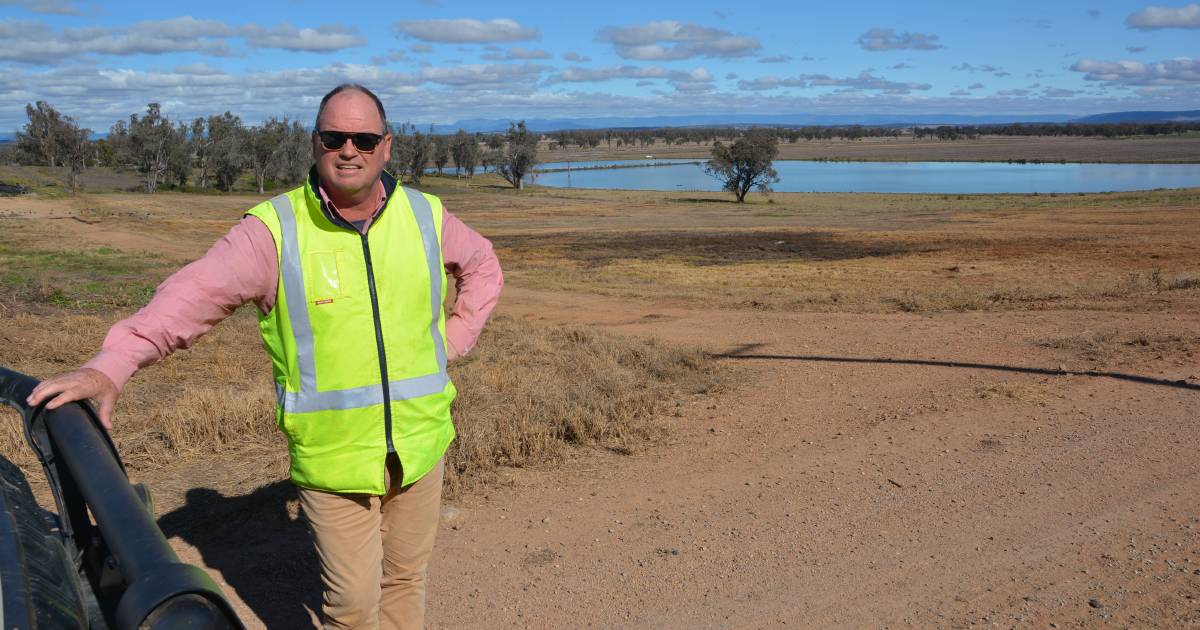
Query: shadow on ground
{"x": 743, "y": 352}
{"x": 704, "y": 248}
{"x": 262, "y": 549}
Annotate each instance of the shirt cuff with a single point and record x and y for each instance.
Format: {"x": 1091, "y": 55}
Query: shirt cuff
{"x": 119, "y": 369}
{"x": 457, "y": 339}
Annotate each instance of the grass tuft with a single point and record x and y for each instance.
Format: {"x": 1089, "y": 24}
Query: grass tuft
{"x": 529, "y": 393}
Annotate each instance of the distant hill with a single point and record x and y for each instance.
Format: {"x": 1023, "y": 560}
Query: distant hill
{"x": 616, "y": 122}
{"x": 1141, "y": 117}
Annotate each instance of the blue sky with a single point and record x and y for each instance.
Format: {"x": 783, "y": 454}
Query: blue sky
{"x": 435, "y": 61}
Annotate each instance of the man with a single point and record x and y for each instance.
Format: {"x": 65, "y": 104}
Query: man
{"x": 347, "y": 274}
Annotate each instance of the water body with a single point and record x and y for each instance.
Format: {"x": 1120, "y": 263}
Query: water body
{"x": 884, "y": 177}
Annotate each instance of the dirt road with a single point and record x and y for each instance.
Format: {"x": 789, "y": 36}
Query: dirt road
{"x": 826, "y": 493}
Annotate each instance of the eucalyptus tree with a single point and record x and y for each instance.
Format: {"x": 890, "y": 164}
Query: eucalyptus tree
{"x": 464, "y": 148}
{"x": 745, "y": 164}
{"x": 226, "y": 159}
{"x": 150, "y": 144}
{"x": 519, "y": 156}
{"x": 265, "y": 148}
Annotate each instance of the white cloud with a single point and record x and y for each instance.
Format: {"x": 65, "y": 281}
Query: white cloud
{"x": 598, "y": 75}
{"x": 775, "y": 59}
{"x": 392, "y": 56}
{"x": 485, "y": 77}
{"x": 575, "y": 57}
{"x": 38, "y": 43}
{"x": 973, "y": 68}
{"x": 987, "y": 67}
{"x": 50, "y": 7}
{"x": 771, "y": 82}
{"x": 465, "y": 31}
{"x": 864, "y": 81}
{"x": 1060, "y": 93}
{"x": 525, "y": 53}
{"x": 1178, "y": 71}
{"x": 669, "y": 40}
{"x": 880, "y": 39}
{"x": 692, "y": 87}
{"x": 1156, "y": 17}
{"x": 201, "y": 69}
{"x": 325, "y": 38}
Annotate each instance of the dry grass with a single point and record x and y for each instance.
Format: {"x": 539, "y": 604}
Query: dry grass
{"x": 527, "y": 395}
{"x": 1036, "y": 393}
{"x": 1111, "y": 347}
{"x": 212, "y": 399}
{"x": 530, "y": 392}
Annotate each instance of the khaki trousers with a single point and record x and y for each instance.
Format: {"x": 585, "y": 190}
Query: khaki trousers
{"x": 374, "y": 551}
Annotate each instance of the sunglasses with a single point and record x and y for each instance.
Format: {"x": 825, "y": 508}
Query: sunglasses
{"x": 363, "y": 142}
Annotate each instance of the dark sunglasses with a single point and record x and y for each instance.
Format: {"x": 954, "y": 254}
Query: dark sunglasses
{"x": 335, "y": 140}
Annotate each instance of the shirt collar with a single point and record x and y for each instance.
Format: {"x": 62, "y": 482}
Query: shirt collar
{"x": 386, "y": 186}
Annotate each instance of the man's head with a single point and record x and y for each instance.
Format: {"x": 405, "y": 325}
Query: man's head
{"x": 344, "y": 165}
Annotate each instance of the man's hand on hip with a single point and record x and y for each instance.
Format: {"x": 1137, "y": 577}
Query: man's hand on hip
{"x": 78, "y": 385}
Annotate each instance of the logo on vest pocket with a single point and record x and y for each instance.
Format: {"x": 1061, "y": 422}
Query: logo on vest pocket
{"x": 325, "y": 301}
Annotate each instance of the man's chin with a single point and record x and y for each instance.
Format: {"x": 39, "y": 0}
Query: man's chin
{"x": 349, "y": 181}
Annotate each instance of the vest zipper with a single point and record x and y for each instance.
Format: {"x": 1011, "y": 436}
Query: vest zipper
{"x": 383, "y": 371}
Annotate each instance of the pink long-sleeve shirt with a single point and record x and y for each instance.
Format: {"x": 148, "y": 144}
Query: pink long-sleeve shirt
{"x": 243, "y": 267}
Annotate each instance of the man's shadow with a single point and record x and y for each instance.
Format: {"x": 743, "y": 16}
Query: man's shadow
{"x": 263, "y": 552}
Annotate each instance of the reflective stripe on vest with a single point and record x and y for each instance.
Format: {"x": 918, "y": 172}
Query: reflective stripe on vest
{"x": 308, "y": 398}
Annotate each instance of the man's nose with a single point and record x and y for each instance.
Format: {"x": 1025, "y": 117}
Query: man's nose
{"x": 347, "y": 152}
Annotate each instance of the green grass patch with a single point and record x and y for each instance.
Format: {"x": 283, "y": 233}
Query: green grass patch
{"x": 79, "y": 279}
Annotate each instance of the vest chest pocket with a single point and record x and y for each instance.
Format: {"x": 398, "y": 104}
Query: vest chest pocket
{"x": 325, "y": 277}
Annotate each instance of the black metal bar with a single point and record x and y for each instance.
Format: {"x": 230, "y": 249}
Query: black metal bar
{"x": 158, "y": 587}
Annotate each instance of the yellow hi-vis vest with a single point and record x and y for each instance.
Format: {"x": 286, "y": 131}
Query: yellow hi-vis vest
{"x": 357, "y": 340}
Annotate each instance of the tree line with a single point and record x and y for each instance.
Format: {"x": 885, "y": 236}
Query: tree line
{"x": 649, "y": 137}
{"x": 1106, "y": 130}
{"x": 217, "y": 151}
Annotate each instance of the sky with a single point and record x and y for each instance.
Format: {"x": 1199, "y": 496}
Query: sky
{"x": 436, "y": 61}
